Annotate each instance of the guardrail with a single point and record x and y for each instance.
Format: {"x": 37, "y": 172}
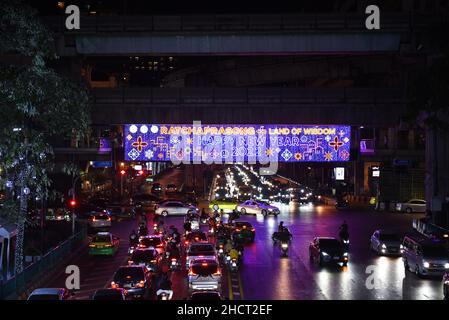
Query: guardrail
{"x": 248, "y": 96}
{"x": 20, "y": 282}
{"x": 237, "y": 23}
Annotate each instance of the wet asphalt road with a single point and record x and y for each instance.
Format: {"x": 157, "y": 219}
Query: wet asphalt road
{"x": 265, "y": 275}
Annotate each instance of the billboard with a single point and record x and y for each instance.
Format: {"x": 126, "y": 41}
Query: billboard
{"x": 237, "y": 143}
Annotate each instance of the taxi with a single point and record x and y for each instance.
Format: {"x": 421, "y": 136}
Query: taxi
{"x": 104, "y": 243}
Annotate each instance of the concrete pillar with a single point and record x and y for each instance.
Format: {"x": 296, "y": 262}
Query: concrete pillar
{"x": 437, "y": 172}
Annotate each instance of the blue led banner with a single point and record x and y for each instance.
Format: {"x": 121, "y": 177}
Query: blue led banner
{"x": 291, "y": 143}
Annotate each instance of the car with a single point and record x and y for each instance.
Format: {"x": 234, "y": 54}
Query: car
{"x": 146, "y": 257}
{"x": 145, "y": 200}
{"x": 100, "y": 220}
{"x": 225, "y": 204}
{"x": 386, "y": 243}
{"x": 152, "y": 241}
{"x": 205, "y": 295}
{"x": 156, "y": 188}
{"x": 413, "y": 205}
{"x": 121, "y": 213}
{"x": 104, "y": 243}
{"x": 425, "y": 257}
{"x": 327, "y": 250}
{"x": 175, "y": 208}
{"x": 197, "y": 250}
{"x": 195, "y": 236}
{"x": 204, "y": 274}
{"x": 170, "y": 188}
{"x": 134, "y": 279}
{"x": 50, "y": 294}
{"x": 110, "y": 294}
{"x": 257, "y": 207}
{"x": 242, "y": 230}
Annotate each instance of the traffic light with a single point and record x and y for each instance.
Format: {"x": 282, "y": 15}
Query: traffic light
{"x": 73, "y": 203}
{"x": 122, "y": 172}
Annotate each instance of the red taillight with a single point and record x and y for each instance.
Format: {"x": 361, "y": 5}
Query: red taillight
{"x": 94, "y": 219}
{"x": 114, "y": 285}
{"x": 109, "y": 218}
{"x": 173, "y": 259}
{"x": 237, "y": 230}
{"x": 141, "y": 284}
{"x": 186, "y": 242}
{"x": 218, "y": 273}
{"x": 204, "y": 264}
{"x": 197, "y": 239}
{"x": 252, "y": 229}
{"x": 191, "y": 273}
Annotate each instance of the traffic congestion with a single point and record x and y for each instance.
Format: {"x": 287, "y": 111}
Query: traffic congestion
{"x": 171, "y": 245}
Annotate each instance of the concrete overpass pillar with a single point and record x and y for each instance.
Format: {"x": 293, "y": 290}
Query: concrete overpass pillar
{"x": 437, "y": 171}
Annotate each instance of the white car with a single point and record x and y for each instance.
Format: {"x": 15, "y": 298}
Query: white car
{"x": 255, "y": 207}
{"x": 100, "y": 220}
{"x": 204, "y": 274}
{"x": 413, "y": 205}
{"x": 175, "y": 208}
{"x": 50, "y": 294}
{"x": 200, "y": 250}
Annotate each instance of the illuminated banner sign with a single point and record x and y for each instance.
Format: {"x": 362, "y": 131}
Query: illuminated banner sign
{"x": 236, "y": 143}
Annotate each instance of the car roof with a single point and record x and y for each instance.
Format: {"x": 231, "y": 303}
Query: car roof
{"x": 48, "y": 291}
{"x": 326, "y": 238}
{"x": 416, "y": 200}
{"x": 152, "y": 236}
{"x": 103, "y": 234}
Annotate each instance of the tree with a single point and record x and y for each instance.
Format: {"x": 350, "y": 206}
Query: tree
{"x": 36, "y": 105}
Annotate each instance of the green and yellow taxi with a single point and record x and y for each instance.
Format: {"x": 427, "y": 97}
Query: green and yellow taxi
{"x": 103, "y": 243}
{"x": 226, "y": 204}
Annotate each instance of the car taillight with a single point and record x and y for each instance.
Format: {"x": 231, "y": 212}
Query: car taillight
{"x": 186, "y": 242}
{"x": 252, "y": 229}
{"x": 191, "y": 273}
{"x": 108, "y": 245}
{"x": 218, "y": 273}
{"x": 173, "y": 259}
{"x": 94, "y": 219}
{"x": 114, "y": 285}
{"x": 109, "y": 218}
{"x": 141, "y": 284}
{"x": 237, "y": 230}
{"x": 204, "y": 264}
{"x": 160, "y": 245}
{"x": 92, "y": 245}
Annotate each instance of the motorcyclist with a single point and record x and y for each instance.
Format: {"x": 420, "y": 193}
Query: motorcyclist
{"x": 133, "y": 238}
{"x": 281, "y": 227}
{"x": 176, "y": 236}
{"x": 165, "y": 285}
{"x": 233, "y": 216}
{"x": 228, "y": 246}
{"x": 234, "y": 254}
{"x": 143, "y": 231}
{"x": 344, "y": 231}
{"x": 173, "y": 251}
{"x": 187, "y": 226}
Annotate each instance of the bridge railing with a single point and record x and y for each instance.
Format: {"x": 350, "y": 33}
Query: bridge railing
{"x": 249, "y": 96}
{"x": 23, "y": 281}
{"x": 256, "y": 22}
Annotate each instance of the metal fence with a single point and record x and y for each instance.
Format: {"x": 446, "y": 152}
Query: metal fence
{"x": 21, "y": 282}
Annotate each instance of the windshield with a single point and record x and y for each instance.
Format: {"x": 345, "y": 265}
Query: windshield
{"x": 435, "y": 252}
{"x": 101, "y": 217}
{"x": 129, "y": 273}
{"x": 44, "y": 297}
{"x": 150, "y": 242}
{"x": 102, "y": 238}
{"x": 205, "y": 249}
{"x": 389, "y": 237}
{"x": 143, "y": 255}
{"x": 205, "y": 270}
{"x": 330, "y": 244}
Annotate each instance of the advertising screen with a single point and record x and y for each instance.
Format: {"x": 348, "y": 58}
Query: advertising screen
{"x": 237, "y": 143}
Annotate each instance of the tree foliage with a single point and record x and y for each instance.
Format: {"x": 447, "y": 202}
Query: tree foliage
{"x": 36, "y": 105}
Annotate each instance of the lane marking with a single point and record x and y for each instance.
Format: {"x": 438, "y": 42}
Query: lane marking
{"x": 231, "y": 296}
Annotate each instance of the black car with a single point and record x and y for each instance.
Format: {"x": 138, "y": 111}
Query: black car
{"x": 110, "y": 294}
{"x": 242, "y": 230}
{"x": 327, "y": 250}
{"x": 195, "y": 236}
{"x": 134, "y": 279}
{"x": 156, "y": 188}
{"x": 146, "y": 257}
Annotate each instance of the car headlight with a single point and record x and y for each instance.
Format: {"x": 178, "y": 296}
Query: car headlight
{"x": 446, "y": 282}
{"x": 270, "y": 209}
{"x": 345, "y": 254}
{"x": 384, "y": 246}
{"x": 324, "y": 254}
{"x": 446, "y": 266}
{"x": 284, "y": 246}
{"x": 426, "y": 264}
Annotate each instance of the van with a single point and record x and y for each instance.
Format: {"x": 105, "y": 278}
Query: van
{"x": 425, "y": 257}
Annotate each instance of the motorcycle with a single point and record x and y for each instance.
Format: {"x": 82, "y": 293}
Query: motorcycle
{"x": 174, "y": 264}
{"x": 284, "y": 248}
{"x": 155, "y": 228}
{"x": 345, "y": 242}
{"x": 220, "y": 252}
{"x": 164, "y": 294}
{"x": 233, "y": 265}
